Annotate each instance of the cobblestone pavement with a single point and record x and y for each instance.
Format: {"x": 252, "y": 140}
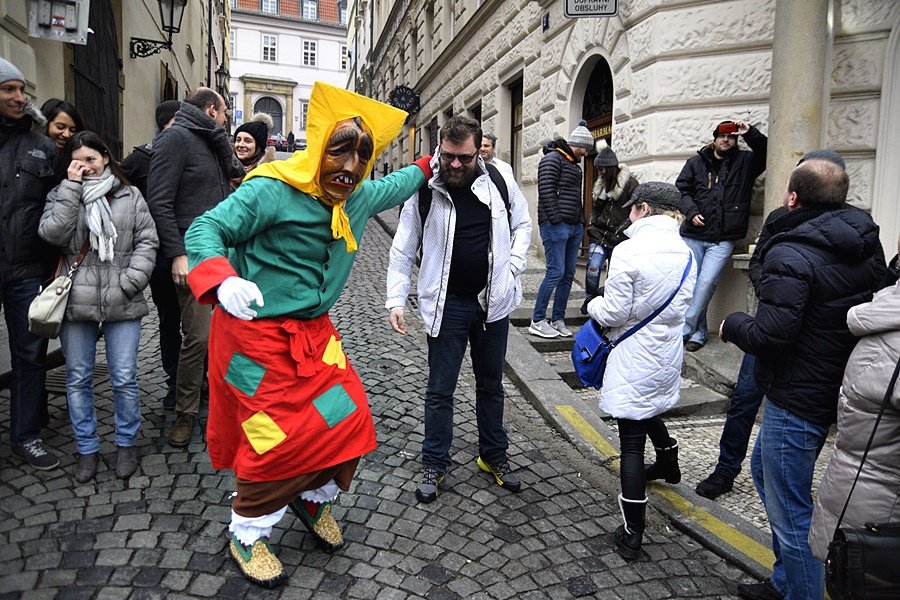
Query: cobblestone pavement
{"x": 163, "y": 531}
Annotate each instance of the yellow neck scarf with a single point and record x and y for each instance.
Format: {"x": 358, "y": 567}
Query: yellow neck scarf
{"x": 329, "y": 105}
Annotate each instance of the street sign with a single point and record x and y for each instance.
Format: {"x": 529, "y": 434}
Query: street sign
{"x": 239, "y": 114}
{"x": 592, "y": 8}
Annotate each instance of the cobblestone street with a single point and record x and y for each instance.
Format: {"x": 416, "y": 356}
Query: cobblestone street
{"x": 162, "y": 533}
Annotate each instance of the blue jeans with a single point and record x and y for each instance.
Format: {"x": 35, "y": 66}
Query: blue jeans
{"x": 462, "y": 323}
{"x": 745, "y": 401}
{"x": 597, "y": 255}
{"x": 79, "y": 343}
{"x": 561, "y": 244}
{"x": 782, "y": 466}
{"x": 28, "y": 358}
{"x": 710, "y": 258}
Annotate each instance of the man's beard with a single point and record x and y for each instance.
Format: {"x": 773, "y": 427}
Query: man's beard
{"x": 460, "y": 178}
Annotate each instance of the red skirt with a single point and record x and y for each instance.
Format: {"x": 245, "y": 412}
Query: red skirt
{"x": 283, "y": 398}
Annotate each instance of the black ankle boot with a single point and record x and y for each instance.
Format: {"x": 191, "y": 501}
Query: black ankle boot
{"x": 666, "y": 465}
{"x": 628, "y": 537}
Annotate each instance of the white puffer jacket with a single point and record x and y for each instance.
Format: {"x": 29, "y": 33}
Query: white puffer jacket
{"x": 877, "y": 495}
{"x": 643, "y": 375}
{"x": 510, "y": 238}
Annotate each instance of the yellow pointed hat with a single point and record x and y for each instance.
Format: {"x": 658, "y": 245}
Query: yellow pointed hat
{"x": 328, "y": 105}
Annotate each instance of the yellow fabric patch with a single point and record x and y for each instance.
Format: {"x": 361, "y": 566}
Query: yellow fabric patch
{"x": 263, "y": 433}
{"x": 334, "y": 355}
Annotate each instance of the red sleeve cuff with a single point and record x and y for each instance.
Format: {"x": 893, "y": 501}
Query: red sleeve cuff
{"x": 205, "y": 278}
{"x": 424, "y": 163}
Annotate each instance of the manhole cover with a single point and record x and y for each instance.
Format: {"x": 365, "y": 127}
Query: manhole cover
{"x": 384, "y": 365}
{"x": 56, "y": 378}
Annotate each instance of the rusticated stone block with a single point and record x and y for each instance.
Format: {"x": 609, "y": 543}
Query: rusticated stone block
{"x": 858, "y": 64}
{"x": 862, "y": 174}
{"x": 853, "y": 124}
{"x": 858, "y": 16}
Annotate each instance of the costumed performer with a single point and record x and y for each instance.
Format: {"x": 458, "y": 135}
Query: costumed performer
{"x": 287, "y": 412}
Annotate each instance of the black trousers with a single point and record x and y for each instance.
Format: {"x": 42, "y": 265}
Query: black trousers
{"x": 632, "y": 439}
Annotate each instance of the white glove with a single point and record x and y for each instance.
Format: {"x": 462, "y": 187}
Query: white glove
{"x": 236, "y": 294}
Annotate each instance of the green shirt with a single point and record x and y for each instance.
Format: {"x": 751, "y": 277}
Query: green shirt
{"x": 280, "y": 239}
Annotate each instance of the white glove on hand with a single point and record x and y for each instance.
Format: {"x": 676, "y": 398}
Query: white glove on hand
{"x": 236, "y": 294}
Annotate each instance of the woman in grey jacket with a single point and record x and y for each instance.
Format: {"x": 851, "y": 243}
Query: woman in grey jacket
{"x": 95, "y": 202}
{"x": 877, "y": 494}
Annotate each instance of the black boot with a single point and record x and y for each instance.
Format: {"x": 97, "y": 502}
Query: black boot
{"x": 666, "y": 465}
{"x": 628, "y": 536}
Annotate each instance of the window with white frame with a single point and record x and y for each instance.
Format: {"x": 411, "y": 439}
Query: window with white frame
{"x": 270, "y": 7}
{"x": 231, "y": 40}
{"x": 304, "y": 107}
{"x": 233, "y": 4}
{"x": 269, "y": 48}
{"x": 309, "y": 54}
{"x": 345, "y": 57}
{"x": 311, "y": 10}
{"x": 343, "y": 14}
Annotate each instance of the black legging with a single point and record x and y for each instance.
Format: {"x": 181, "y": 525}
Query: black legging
{"x": 632, "y": 438}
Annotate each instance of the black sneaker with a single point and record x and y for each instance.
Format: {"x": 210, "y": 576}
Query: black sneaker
{"x": 692, "y": 346}
{"x": 500, "y": 471}
{"x": 714, "y": 486}
{"x": 759, "y": 591}
{"x": 34, "y": 454}
{"x": 428, "y": 490}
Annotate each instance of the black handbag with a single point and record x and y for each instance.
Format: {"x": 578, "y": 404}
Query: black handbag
{"x": 591, "y": 349}
{"x": 863, "y": 563}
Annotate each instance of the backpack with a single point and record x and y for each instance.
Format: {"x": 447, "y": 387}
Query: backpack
{"x": 493, "y": 173}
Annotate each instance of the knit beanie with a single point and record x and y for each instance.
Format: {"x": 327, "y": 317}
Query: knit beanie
{"x": 165, "y": 111}
{"x": 9, "y": 72}
{"x": 655, "y": 193}
{"x": 605, "y": 156}
{"x": 581, "y": 137}
{"x": 258, "y": 127}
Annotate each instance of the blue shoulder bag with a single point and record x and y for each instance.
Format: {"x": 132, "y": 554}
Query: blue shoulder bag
{"x": 592, "y": 348}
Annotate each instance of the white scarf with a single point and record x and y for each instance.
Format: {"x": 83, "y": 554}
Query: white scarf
{"x": 97, "y": 215}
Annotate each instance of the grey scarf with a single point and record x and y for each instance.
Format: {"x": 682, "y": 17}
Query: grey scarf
{"x": 97, "y": 214}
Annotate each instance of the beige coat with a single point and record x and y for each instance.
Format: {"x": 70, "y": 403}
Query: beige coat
{"x": 877, "y": 494}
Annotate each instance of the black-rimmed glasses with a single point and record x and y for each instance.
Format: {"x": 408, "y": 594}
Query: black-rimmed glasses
{"x": 462, "y": 158}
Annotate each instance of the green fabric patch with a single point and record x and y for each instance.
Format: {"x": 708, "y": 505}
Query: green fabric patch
{"x": 335, "y": 405}
{"x": 244, "y": 374}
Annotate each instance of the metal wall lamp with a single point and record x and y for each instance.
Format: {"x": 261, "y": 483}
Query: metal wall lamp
{"x": 222, "y": 77}
{"x": 171, "y": 12}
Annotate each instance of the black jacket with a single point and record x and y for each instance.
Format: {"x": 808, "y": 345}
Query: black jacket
{"x": 560, "y": 184}
{"x": 609, "y": 219}
{"x": 721, "y": 195}
{"x": 817, "y": 264}
{"x": 190, "y": 172}
{"x": 26, "y": 176}
{"x": 137, "y": 167}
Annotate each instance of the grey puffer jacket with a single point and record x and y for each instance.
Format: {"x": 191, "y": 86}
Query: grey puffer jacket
{"x": 104, "y": 291}
{"x": 876, "y": 498}
{"x": 560, "y": 184}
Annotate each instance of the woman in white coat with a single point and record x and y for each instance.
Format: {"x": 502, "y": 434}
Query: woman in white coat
{"x": 643, "y": 374}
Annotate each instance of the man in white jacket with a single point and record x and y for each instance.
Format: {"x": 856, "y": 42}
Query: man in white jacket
{"x": 473, "y": 253}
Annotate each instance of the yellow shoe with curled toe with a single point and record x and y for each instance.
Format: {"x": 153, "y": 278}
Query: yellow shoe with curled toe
{"x": 319, "y": 522}
{"x": 258, "y": 562}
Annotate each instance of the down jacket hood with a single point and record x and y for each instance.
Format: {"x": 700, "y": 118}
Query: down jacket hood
{"x": 559, "y": 144}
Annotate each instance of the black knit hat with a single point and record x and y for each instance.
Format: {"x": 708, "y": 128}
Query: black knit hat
{"x": 165, "y": 111}
{"x": 605, "y": 156}
{"x": 655, "y": 193}
{"x": 258, "y": 127}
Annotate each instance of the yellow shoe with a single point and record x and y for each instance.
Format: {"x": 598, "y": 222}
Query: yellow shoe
{"x": 258, "y": 563}
{"x": 322, "y": 525}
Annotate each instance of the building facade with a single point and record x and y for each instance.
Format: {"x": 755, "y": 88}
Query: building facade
{"x": 653, "y": 80}
{"x": 124, "y": 71}
{"x": 278, "y": 49}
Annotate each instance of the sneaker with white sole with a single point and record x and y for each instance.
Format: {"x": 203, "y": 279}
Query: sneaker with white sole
{"x": 560, "y": 326}
{"x": 542, "y": 329}
{"x": 36, "y": 455}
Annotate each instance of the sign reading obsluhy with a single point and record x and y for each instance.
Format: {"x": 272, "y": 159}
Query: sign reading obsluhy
{"x": 592, "y": 8}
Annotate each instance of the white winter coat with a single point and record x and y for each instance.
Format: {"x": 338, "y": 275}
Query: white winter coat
{"x": 510, "y": 238}
{"x": 643, "y": 374}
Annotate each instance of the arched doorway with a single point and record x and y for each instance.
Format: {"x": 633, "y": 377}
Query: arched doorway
{"x": 271, "y": 106}
{"x": 597, "y": 110}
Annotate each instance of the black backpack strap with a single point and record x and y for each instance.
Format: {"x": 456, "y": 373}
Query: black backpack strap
{"x": 497, "y": 178}
{"x": 424, "y": 203}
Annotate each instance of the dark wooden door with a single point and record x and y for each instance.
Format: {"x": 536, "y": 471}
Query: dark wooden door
{"x": 96, "y": 67}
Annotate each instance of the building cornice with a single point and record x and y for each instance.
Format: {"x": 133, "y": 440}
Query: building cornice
{"x": 298, "y": 21}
